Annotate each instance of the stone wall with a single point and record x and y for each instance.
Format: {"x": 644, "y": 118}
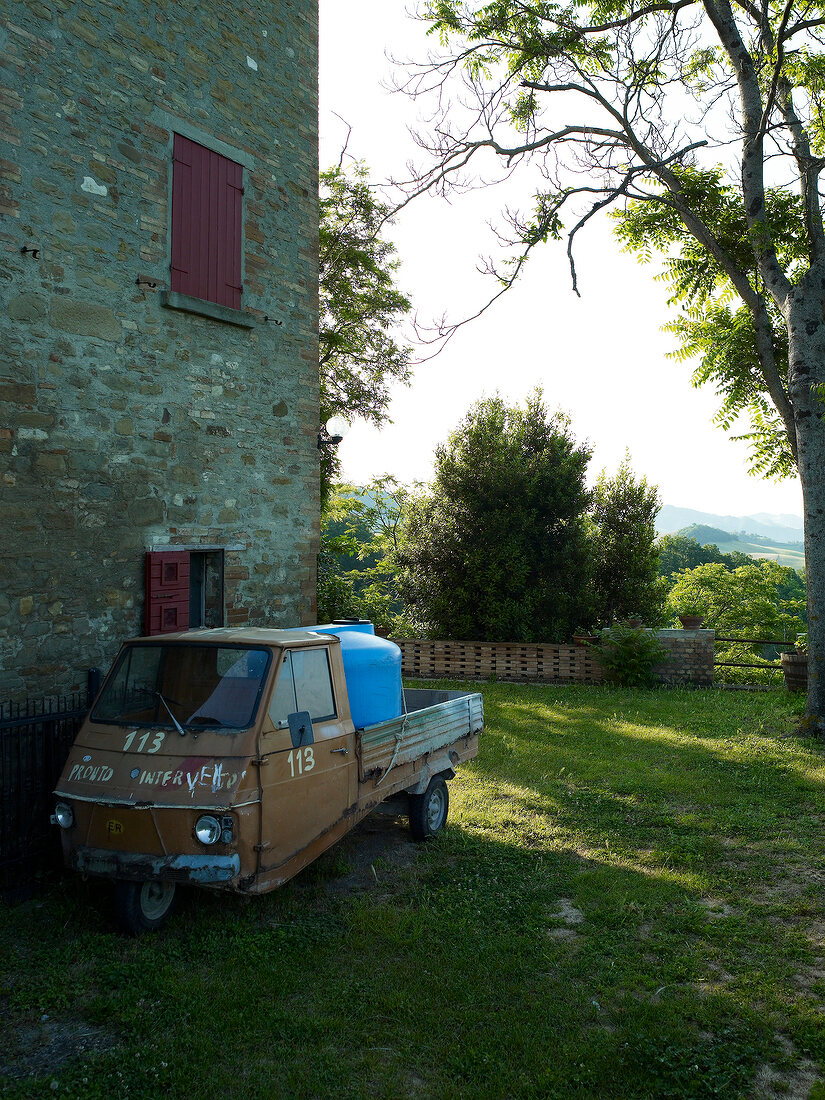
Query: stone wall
{"x": 689, "y": 662}
{"x": 125, "y": 425}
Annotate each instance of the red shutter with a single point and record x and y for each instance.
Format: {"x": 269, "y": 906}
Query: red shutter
{"x": 207, "y": 192}
{"x": 167, "y": 591}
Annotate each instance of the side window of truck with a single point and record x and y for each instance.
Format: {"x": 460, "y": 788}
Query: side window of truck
{"x": 304, "y": 683}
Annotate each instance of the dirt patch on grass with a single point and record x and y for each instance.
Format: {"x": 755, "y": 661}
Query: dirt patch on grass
{"x": 33, "y": 1050}
{"x": 563, "y": 935}
{"x": 716, "y": 908}
{"x": 568, "y": 912}
{"x": 367, "y": 859}
{"x": 572, "y": 917}
{"x": 791, "y": 1084}
{"x": 718, "y": 981}
{"x": 810, "y": 976}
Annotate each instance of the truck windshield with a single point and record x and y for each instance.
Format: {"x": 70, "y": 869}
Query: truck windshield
{"x": 184, "y": 687}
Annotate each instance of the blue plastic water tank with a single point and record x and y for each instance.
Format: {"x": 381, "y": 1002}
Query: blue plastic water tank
{"x": 372, "y": 667}
{"x": 340, "y": 626}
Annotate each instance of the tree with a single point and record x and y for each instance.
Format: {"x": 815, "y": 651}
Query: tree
{"x": 678, "y": 552}
{"x": 626, "y": 559}
{"x": 360, "y": 306}
{"x": 496, "y": 549}
{"x": 360, "y": 527}
{"x": 757, "y": 600}
{"x": 702, "y": 114}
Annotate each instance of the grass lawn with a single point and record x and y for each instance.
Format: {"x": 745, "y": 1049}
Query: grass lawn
{"x": 628, "y": 901}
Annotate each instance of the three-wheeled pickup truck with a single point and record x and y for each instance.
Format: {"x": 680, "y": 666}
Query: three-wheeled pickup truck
{"x": 232, "y": 758}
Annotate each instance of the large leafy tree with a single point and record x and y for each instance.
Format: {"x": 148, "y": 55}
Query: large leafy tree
{"x": 360, "y": 352}
{"x": 496, "y": 548}
{"x": 626, "y": 558}
{"x": 705, "y": 114}
{"x": 759, "y": 599}
{"x": 678, "y": 552}
{"x": 360, "y": 531}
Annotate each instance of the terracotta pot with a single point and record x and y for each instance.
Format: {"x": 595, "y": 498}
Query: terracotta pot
{"x": 691, "y": 622}
{"x": 585, "y": 639}
{"x": 795, "y": 668}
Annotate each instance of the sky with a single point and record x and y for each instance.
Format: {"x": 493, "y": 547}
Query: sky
{"x": 601, "y": 358}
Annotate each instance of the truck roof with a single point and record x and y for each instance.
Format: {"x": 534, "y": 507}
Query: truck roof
{"x": 244, "y": 635}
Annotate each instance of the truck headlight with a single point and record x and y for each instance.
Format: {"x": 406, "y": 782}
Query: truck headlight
{"x": 208, "y": 829}
{"x": 63, "y": 815}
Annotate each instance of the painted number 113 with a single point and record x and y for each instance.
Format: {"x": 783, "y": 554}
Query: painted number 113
{"x": 157, "y": 741}
{"x": 300, "y": 761}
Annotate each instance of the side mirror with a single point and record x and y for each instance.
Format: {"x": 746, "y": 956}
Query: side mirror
{"x": 300, "y": 728}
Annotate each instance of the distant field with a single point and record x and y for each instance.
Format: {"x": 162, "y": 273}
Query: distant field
{"x": 791, "y": 554}
{"x": 781, "y": 553}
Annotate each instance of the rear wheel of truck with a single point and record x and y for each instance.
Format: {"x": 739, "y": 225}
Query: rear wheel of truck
{"x": 428, "y": 811}
{"x": 143, "y": 906}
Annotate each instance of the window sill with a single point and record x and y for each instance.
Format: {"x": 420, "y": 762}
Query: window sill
{"x": 171, "y": 299}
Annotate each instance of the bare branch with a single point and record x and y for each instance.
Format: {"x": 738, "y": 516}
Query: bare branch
{"x": 637, "y": 16}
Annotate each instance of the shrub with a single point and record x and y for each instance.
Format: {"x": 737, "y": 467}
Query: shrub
{"x": 629, "y": 654}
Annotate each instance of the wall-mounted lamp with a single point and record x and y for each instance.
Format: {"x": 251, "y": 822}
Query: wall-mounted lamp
{"x": 34, "y": 252}
{"x": 331, "y": 433}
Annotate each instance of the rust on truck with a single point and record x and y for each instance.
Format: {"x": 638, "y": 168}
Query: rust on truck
{"x": 229, "y": 759}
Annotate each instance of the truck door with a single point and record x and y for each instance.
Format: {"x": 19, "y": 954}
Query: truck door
{"x": 306, "y": 786}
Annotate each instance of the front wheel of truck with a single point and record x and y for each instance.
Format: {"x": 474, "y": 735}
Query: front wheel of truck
{"x": 143, "y": 906}
{"x": 428, "y": 811}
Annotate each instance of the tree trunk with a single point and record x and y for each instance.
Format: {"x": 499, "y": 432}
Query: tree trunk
{"x": 806, "y": 371}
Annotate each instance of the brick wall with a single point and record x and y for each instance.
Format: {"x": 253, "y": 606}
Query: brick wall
{"x": 125, "y": 425}
{"x": 690, "y": 657}
{"x": 690, "y": 660}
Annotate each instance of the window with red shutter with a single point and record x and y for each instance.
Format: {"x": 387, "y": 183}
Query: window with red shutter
{"x": 207, "y": 193}
{"x": 167, "y": 591}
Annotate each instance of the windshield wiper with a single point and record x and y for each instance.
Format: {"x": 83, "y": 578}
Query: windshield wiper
{"x": 178, "y": 726}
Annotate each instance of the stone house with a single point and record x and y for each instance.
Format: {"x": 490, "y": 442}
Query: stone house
{"x": 158, "y": 325}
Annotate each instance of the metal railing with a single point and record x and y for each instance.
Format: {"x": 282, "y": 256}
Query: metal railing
{"x": 35, "y": 738}
{"x": 766, "y": 665}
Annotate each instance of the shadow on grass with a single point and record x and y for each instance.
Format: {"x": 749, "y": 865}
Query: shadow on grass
{"x": 475, "y": 969}
{"x": 587, "y": 925}
{"x": 640, "y": 758}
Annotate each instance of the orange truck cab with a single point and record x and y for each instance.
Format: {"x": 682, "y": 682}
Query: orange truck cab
{"x": 232, "y": 758}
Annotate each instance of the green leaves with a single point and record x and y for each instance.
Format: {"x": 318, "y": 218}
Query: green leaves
{"x": 709, "y": 324}
{"x": 356, "y": 564}
{"x": 625, "y": 557}
{"x": 360, "y": 305}
{"x": 630, "y": 654}
{"x": 759, "y": 600}
{"x": 496, "y": 549}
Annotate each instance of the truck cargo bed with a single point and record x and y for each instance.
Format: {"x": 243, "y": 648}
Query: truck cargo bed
{"x": 434, "y": 720}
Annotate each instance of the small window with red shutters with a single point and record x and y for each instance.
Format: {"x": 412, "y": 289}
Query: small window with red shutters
{"x": 207, "y": 197}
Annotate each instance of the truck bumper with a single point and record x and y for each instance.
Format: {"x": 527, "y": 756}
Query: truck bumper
{"x": 204, "y": 870}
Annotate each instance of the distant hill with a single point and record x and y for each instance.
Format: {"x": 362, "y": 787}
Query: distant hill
{"x": 702, "y": 534}
{"x": 777, "y": 528}
{"x": 755, "y": 546}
